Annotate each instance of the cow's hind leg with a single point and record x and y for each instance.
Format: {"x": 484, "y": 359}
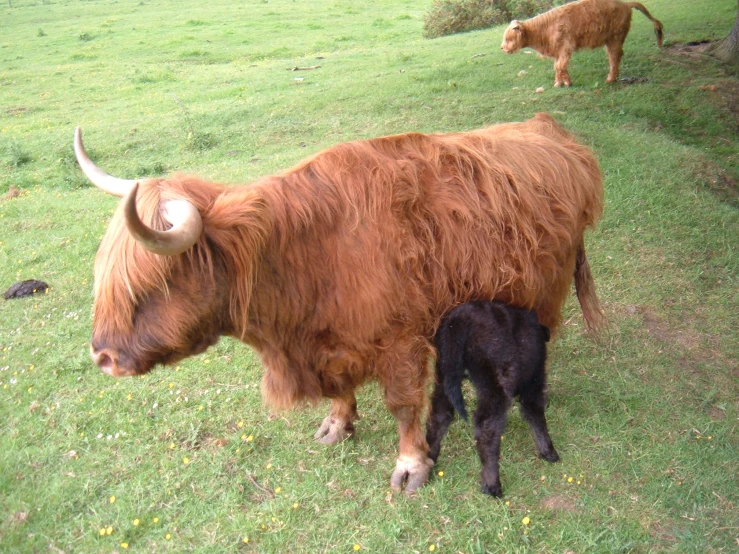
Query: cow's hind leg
{"x": 440, "y": 417}
{"x": 615, "y": 51}
{"x": 339, "y": 424}
{"x": 533, "y": 404}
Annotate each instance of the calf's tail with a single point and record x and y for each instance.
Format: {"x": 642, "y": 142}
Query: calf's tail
{"x": 585, "y": 288}
{"x": 657, "y": 22}
{"x": 450, "y": 366}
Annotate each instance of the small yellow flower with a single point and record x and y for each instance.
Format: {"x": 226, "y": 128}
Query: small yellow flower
{"x": 268, "y": 466}
{"x": 109, "y": 530}
{"x": 526, "y": 520}
{"x": 171, "y": 446}
{"x": 507, "y": 502}
{"x": 710, "y": 438}
{"x": 296, "y": 506}
{"x": 185, "y": 460}
{"x": 136, "y": 522}
{"x": 246, "y": 540}
{"x": 441, "y": 474}
{"x": 569, "y": 479}
{"x": 250, "y": 438}
{"x": 124, "y": 545}
{"x": 112, "y": 499}
{"x": 579, "y": 482}
{"x": 200, "y": 407}
{"x": 432, "y": 547}
{"x": 278, "y": 490}
{"x": 357, "y": 547}
{"x": 102, "y": 531}
{"x": 240, "y": 424}
{"x": 156, "y": 520}
{"x": 171, "y": 385}
{"x": 167, "y": 536}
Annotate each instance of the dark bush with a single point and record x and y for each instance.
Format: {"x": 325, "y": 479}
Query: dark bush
{"x": 447, "y": 17}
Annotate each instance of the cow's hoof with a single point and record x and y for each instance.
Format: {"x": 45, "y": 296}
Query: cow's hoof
{"x": 334, "y": 430}
{"x": 557, "y": 84}
{"x": 412, "y": 472}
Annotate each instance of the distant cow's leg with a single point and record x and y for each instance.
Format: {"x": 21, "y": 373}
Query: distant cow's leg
{"x": 615, "y": 51}
{"x": 403, "y": 374}
{"x": 561, "y": 76}
{"x": 440, "y": 417}
{"x": 533, "y": 404}
{"x": 339, "y": 424}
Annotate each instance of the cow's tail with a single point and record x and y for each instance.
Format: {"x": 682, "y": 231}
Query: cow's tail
{"x": 450, "y": 366}
{"x": 657, "y": 22}
{"x": 585, "y": 288}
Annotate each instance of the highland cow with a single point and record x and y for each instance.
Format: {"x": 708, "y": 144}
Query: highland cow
{"x": 339, "y": 270}
{"x": 503, "y": 351}
{"x": 561, "y": 31}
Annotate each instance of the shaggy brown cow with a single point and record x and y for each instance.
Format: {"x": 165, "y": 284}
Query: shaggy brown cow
{"x": 584, "y": 24}
{"x": 340, "y": 269}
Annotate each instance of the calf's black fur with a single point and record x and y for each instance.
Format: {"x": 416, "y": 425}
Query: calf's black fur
{"x": 503, "y": 350}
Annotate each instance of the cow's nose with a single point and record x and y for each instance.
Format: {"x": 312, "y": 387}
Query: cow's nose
{"x": 107, "y": 360}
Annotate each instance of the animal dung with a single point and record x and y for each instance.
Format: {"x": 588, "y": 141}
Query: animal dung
{"x": 29, "y": 287}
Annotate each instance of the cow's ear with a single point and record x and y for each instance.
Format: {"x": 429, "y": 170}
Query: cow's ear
{"x": 515, "y": 25}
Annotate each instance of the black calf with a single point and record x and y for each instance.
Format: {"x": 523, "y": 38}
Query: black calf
{"x": 503, "y": 350}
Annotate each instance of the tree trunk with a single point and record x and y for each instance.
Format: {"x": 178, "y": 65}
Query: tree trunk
{"x": 727, "y": 50}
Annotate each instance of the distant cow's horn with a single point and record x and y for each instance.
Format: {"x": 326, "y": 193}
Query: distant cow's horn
{"x": 108, "y": 183}
{"x": 181, "y": 214}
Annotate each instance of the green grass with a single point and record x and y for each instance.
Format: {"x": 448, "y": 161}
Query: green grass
{"x": 647, "y": 421}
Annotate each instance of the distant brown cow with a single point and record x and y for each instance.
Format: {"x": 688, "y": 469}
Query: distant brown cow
{"x": 340, "y": 269}
{"x": 584, "y": 24}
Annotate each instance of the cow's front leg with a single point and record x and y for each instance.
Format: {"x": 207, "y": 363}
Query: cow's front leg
{"x": 339, "y": 424}
{"x": 561, "y": 75}
{"x": 414, "y": 465}
{"x": 403, "y": 375}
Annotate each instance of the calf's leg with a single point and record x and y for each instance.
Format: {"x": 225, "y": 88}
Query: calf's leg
{"x": 440, "y": 417}
{"x": 490, "y": 420}
{"x": 615, "y": 52}
{"x": 533, "y": 403}
{"x": 339, "y": 424}
{"x": 561, "y": 75}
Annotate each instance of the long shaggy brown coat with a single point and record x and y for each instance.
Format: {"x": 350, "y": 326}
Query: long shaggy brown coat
{"x": 561, "y": 31}
{"x": 340, "y": 269}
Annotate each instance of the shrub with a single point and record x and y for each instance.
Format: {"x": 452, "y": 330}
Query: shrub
{"x": 447, "y": 17}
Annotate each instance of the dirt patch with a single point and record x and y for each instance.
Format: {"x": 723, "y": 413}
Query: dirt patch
{"x": 686, "y": 339}
{"x": 663, "y": 533}
{"x": 558, "y": 503}
{"x": 718, "y": 180}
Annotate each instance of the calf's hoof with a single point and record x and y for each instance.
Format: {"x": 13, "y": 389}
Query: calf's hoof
{"x": 413, "y": 472}
{"x": 334, "y": 430}
{"x": 550, "y": 456}
{"x": 493, "y": 489}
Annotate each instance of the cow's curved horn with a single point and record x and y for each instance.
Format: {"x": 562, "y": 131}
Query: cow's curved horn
{"x": 98, "y": 177}
{"x": 181, "y": 214}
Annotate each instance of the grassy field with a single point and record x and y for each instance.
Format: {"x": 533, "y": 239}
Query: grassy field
{"x": 188, "y": 459}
